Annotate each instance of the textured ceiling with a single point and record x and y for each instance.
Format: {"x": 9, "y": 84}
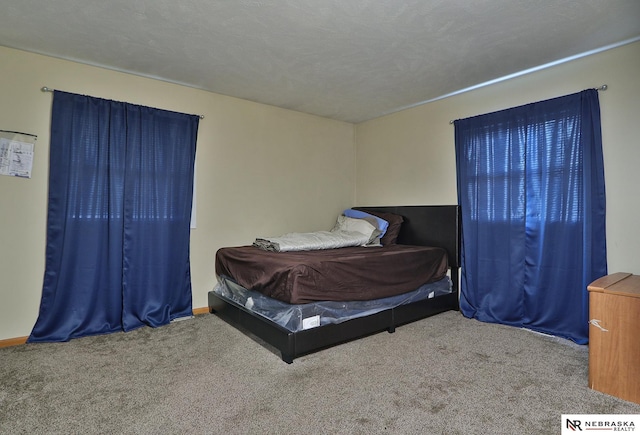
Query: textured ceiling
{"x": 351, "y": 60}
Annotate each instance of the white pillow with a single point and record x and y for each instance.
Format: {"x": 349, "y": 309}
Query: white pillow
{"x": 361, "y": 226}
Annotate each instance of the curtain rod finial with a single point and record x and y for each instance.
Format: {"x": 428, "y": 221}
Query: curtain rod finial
{"x": 46, "y": 89}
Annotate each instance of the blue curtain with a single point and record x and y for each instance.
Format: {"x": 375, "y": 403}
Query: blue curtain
{"x": 532, "y": 196}
{"x": 120, "y": 193}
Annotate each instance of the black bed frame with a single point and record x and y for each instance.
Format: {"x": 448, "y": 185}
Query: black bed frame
{"x": 437, "y": 225}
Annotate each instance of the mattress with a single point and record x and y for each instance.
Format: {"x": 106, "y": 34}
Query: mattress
{"x": 297, "y": 317}
{"x": 344, "y": 274}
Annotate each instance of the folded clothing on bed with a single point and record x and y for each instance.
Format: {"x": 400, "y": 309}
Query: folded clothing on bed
{"x": 347, "y": 231}
{"x": 312, "y": 241}
{"x": 345, "y": 274}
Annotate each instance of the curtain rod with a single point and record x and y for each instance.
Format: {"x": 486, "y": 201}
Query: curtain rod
{"x": 599, "y": 88}
{"x": 46, "y": 89}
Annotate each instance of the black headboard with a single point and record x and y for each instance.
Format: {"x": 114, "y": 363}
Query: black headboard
{"x": 428, "y": 225}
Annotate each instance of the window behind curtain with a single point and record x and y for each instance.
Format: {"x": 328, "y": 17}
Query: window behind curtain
{"x": 120, "y": 193}
{"x": 531, "y": 190}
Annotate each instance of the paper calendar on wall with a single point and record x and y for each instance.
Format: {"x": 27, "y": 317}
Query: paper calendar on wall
{"x": 16, "y": 153}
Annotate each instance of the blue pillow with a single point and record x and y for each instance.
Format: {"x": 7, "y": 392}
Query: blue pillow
{"x": 382, "y": 224}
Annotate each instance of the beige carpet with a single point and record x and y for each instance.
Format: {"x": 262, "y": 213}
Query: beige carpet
{"x": 442, "y": 375}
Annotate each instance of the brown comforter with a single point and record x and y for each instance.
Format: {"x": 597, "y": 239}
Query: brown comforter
{"x": 344, "y": 274}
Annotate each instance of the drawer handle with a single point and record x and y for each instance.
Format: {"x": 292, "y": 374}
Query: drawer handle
{"x": 596, "y": 323}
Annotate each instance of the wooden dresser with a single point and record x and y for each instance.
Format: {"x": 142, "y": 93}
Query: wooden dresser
{"x": 614, "y": 335}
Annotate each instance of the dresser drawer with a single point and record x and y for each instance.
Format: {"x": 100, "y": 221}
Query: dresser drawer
{"x": 614, "y": 336}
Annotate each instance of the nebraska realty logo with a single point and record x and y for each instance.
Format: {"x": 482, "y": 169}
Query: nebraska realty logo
{"x": 596, "y": 423}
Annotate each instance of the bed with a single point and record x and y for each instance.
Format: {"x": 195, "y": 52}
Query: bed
{"x": 299, "y": 318}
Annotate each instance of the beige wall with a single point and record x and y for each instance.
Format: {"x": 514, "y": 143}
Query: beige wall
{"x": 409, "y": 157}
{"x": 260, "y": 171}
